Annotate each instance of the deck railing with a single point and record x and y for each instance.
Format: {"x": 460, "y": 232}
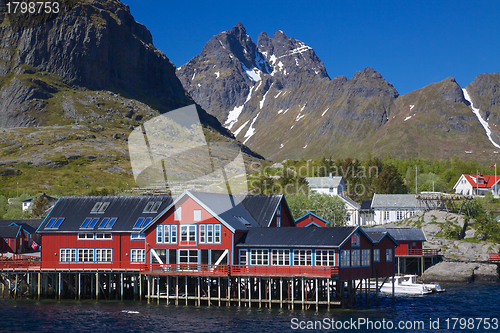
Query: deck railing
{"x": 178, "y": 269}
{"x": 416, "y": 252}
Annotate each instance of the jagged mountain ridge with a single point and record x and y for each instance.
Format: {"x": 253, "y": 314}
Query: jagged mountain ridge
{"x": 277, "y": 97}
{"x": 90, "y": 69}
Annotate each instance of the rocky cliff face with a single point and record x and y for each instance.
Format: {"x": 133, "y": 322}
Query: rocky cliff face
{"x": 94, "y": 45}
{"x": 277, "y": 97}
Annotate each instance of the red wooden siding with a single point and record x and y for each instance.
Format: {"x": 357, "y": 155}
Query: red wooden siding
{"x": 310, "y": 221}
{"x": 188, "y": 206}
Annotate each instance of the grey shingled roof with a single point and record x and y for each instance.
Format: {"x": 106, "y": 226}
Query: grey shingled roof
{"x": 395, "y": 201}
{"x": 9, "y": 231}
{"x": 366, "y": 205}
{"x": 324, "y": 182}
{"x": 296, "y": 237}
{"x": 262, "y": 207}
{"x": 127, "y": 209}
{"x": 30, "y": 225}
{"x": 400, "y": 234}
{"x": 227, "y": 207}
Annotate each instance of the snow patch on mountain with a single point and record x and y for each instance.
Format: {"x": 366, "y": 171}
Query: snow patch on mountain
{"x": 253, "y": 73}
{"x": 277, "y": 95}
{"x": 261, "y": 103}
{"x": 260, "y": 61}
{"x": 218, "y": 74}
{"x": 251, "y": 131}
{"x": 408, "y": 118}
{"x": 234, "y": 114}
{"x": 324, "y": 112}
{"x": 241, "y": 128}
{"x": 483, "y": 122}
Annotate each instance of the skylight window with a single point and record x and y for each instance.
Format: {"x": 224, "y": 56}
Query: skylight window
{"x": 90, "y": 222}
{"x": 107, "y": 222}
{"x": 59, "y": 222}
{"x": 142, "y": 222}
{"x": 51, "y": 222}
{"x": 152, "y": 207}
{"x": 242, "y": 220}
{"x": 100, "y": 207}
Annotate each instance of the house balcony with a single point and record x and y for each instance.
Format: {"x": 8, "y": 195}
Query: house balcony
{"x": 416, "y": 252}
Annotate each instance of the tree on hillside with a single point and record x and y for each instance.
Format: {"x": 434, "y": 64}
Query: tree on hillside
{"x": 389, "y": 181}
{"x": 327, "y": 207}
{"x": 39, "y": 207}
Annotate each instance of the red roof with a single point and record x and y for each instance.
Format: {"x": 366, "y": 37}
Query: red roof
{"x": 485, "y": 181}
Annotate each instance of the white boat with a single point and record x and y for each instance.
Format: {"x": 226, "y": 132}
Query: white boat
{"x": 408, "y": 285}
{"x": 412, "y": 280}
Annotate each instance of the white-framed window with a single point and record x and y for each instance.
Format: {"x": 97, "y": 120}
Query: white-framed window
{"x": 400, "y": 215}
{"x": 355, "y": 240}
{"x": 137, "y": 255}
{"x": 85, "y": 254}
{"x": 188, "y": 234}
{"x": 325, "y": 258}
{"x": 197, "y": 215}
{"x": 376, "y": 255}
{"x": 243, "y": 257}
{"x": 137, "y": 237}
{"x": 178, "y": 213}
{"x": 259, "y": 257}
{"x": 388, "y": 255}
{"x": 210, "y": 233}
{"x": 173, "y": 234}
{"x": 103, "y": 236}
{"x": 159, "y": 234}
{"x": 67, "y": 254}
{"x": 188, "y": 256}
{"x": 103, "y": 255}
{"x": 355, "y": 258}
{"x": 345, "y": 258}
{"x": 386, "y": 215}
{"x": 278, "y": 216}
{"x": 365, "y": 257}
{"x": 302, "y": 257}
{"x": 217, "y": 233}
{"x": 203, "y": 234}
{"x": 280, "y": 257}
{"x": 85, "y": 236}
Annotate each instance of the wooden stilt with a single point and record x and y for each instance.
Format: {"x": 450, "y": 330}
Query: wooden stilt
{"x": 302, "y": 292}
{"x": 97, "y": 286}
{"x": 209, "y": 289}
{"x": 158, "y": 289}
{"x": 149, "y": 288}
{"x": 317, "y": 296}
{"x": 228, "y": 292}
{"x": 121, "y": 286}
{"x": 176, "y": 290}
{"x": 186, "y": 288}
{"x": 239, "y": 290}
{"x": 281, "y": 292}
{"x": 59, "y": 286}
{"x": 260, "y": 292}
{"x": 218, "y": 289}
{"x": 328, "y": 293}
{"x": 269, "y": 291}
{"x": 199, "y": 294}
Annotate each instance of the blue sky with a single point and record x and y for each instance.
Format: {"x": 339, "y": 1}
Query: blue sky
{"x": 411, "y": 43}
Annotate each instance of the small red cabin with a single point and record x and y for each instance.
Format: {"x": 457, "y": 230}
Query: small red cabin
{"x": 311, "y": 220}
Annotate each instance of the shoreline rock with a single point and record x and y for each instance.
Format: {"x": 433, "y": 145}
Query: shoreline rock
{"x": 449, "y": 271}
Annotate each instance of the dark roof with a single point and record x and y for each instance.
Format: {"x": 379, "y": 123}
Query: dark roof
{"x": 396, "y": 201}
{"x": 9, "y": 231}
{"x": 400, "y": 234}
{"x": 296, "y": 237}
{"x": 262, "y": 207}
{"x": 375, "y": 235}
{"x": 366, "y": 205}
{"x": 127, "y": 210}
{"x": 29, "y": 225}
{"x": 49, "y": 199}
{"x": 228, "y": 208}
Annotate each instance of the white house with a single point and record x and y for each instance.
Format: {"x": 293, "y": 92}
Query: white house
{"x": 27, "y": 203}
{"x": 394, "y": 207}
{"x": 335, "y": 186}
{"x": 477, "y": 185}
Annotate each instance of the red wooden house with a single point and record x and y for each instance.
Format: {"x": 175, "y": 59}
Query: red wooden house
{"x": 311, "y": 220}
{"x": 13, "y": 239}
{"x": 98, "y": 232}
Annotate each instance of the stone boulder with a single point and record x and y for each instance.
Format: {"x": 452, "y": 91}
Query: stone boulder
{"x": 448, "y": 271}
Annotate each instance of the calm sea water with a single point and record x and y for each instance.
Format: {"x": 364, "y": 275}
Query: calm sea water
{"x": 459, "y": 301}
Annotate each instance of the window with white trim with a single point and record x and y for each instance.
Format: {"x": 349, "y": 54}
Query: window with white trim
{"x": 188, "y": 234}
{"x": 85, "y": 254}
{"x": 280, "y": 257}
{"x": 103, "y": 236}
{"x": 386, "y": 215}
{"x": 85, "y": 236}
{"x": 188, "y": 256}
{"x": 400, "y": 215}
{"x": 259, "y": 257}
{"x": 137, "y": 237}
{"x": 197, "y": 215}
{"x": 217, "y": 233}
{"x": 177, "y": 213}
{"x": 67, "y": 254}
{"x": 325, "y": 258}
{"x": 103, "y": 255}
{"x": 159, "y": 234}
{"x": 137, "y": 255}
{"x": 376, "y": 255}
{"x": 243, "y": 257}
{"x": 302, "y": 257}
{"x": 365, "y": 257}
{"x": 345, "y": 258}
